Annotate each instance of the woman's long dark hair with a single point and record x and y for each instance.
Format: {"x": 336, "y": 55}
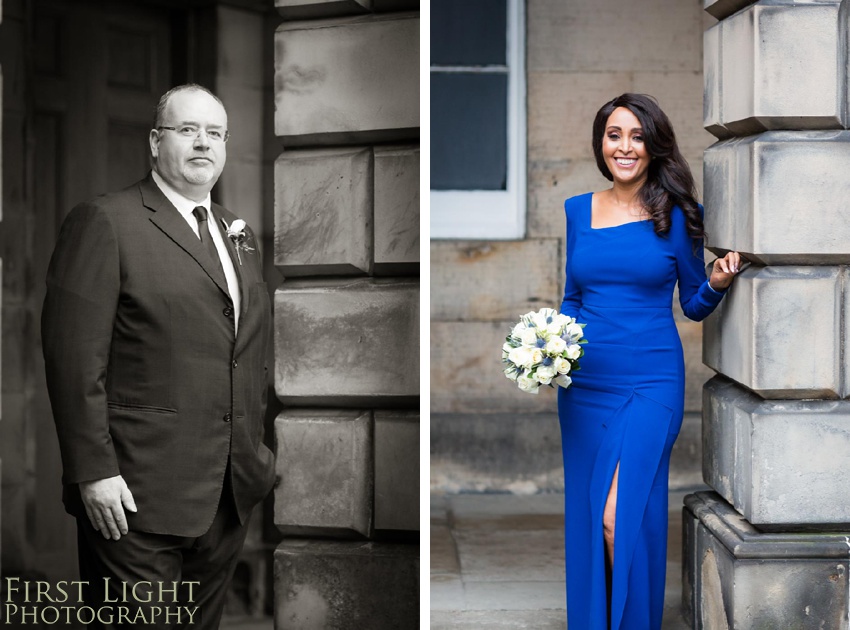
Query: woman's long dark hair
{"x": 668, "y": 181}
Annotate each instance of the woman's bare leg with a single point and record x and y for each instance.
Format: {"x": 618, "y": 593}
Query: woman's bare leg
{"x": 609, "y": 518}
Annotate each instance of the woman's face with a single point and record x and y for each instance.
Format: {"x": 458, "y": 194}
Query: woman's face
{"x": 623, "y": 148}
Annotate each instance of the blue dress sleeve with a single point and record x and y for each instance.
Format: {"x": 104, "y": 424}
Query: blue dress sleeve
{"x": 571, "y": 303}
{"x": 696, "y": 296}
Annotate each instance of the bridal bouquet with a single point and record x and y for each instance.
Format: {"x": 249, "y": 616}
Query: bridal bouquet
{"x": 544, "y": 347}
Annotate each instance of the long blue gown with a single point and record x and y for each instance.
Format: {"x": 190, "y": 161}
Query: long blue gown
{"x": 625, "y": 405}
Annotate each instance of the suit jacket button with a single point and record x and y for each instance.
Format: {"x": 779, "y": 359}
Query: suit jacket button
{"x": 227, "y": 417}
{"x": 228, "y": 311}
{"x": 235, "y": 364}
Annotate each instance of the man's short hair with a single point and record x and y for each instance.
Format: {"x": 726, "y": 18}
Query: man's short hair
{"x": 186, "y": 87}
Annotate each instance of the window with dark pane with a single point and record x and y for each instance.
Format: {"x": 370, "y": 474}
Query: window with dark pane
{"x": 469, "y": 131}
{"x": 469, "y": 95}
{"x": 469, "y": 32}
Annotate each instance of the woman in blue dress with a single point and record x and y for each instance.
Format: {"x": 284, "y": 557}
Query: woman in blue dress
{"x": 627, "y": 247}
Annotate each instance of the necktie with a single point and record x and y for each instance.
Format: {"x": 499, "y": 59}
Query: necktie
{"x": 206, "y": 238}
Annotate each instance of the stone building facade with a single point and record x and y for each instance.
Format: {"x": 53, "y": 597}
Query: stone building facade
{"x": 347, "y": 315}
{"x": 575, "y": 56}
{"x": 767, "y": 547}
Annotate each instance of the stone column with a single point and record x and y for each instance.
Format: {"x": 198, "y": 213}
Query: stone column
{"x": 347, "y": 314}
{"x": 770, "y": 548}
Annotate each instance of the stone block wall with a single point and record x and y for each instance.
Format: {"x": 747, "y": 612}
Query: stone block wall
{"x": 776, "y": 420}
{"x": 758, "y": 186}
{"x": 358, "y": 87}
{"x": 781, "y": 464}
{"x": 759, "y": 74}
{"x": 346, "y": 239}
{"x": 747, "y": 338}
{"x": 479, "y": 288}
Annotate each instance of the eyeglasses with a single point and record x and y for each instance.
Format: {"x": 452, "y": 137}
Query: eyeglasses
{"x": 193, "y": 131}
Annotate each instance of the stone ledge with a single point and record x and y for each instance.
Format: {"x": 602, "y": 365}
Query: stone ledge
{"x": 732, "y": 571}
{"x": 319, "y": 9}
{"x": 316, "y": 9}
{"x": 744, "y": 541}
{"x": 724, "y": 8}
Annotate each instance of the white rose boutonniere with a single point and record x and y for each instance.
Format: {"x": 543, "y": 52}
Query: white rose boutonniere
{"x": 236, "y": 233}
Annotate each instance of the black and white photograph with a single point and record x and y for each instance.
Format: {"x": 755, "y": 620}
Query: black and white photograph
{"x": 209, "y": 248}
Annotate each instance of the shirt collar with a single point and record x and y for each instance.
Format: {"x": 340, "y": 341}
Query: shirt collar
{"x": 183, "y": 204}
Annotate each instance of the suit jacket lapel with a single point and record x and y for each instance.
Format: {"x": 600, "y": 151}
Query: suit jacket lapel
{"x": 166, "y": 217}
{"x": 249, "y": 273}
{"x": 230, "y": 246}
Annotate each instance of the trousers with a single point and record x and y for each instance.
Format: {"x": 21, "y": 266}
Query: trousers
{"x": 161, "y": 581}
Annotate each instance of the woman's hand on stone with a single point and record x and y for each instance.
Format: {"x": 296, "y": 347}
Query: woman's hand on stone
{"x": 724, "y": 271}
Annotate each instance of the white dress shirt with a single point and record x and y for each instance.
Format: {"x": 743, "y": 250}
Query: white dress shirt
{"x": 185, "y": 206}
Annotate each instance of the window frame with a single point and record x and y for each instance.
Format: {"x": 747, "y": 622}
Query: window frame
{"x": 494, "y": 214}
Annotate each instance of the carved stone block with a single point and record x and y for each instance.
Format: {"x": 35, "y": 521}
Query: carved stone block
{"x": 324, "y": 469}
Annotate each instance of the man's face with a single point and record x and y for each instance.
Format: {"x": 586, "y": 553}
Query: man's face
{"x": 190, "y": 162}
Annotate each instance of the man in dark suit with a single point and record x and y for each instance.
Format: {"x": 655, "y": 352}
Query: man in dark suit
{"x": 155, "y": 330}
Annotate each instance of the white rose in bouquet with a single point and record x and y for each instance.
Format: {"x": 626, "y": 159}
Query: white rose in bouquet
{"x": 516, "y": 331}
{"x": 529, "y": 337}
{"x": 574, "y": 331}
{"x": 573, "y": 351}
{"x": 545, "y": 374}
{"x": 556, "y": 345}
{"x": 562, "y": 366}
{"x": 521, "y": 356}
{"x": 561, "y": 320}
{"x": 541, "y": 318}
{"x": 536, "y": 356}
{"x": 527, "y": 384}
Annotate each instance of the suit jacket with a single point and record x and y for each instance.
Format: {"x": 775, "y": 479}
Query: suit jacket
{"x": 145, "y": 375}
